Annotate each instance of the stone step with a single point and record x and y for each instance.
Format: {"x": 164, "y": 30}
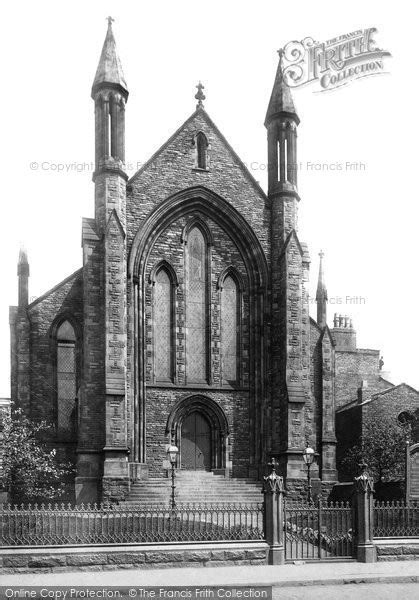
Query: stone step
{"x": 195, "y": 487}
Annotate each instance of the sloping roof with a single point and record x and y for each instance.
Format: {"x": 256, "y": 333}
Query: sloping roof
{"x": 394, "y": 387}
{"x": 88, "y": 229}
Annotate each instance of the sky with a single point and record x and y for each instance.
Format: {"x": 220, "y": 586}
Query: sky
{"x": 363, "y": 214}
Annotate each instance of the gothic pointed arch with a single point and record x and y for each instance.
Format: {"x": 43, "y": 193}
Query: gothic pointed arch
{"x": 213, "y": 414}
{"x": 166, "y": 265}
{"x": 199, "y": 199}
{"x": 230, "y": 271}
{"x": 198, "y": 221}
{"x": 196, "y": 207}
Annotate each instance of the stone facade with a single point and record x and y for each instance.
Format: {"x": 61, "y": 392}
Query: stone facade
{"x": 252, "y": 368}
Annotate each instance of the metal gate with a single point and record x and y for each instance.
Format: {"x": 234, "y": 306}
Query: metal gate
{"x": 318, "y": 531}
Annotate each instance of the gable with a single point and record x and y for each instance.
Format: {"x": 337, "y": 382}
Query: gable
{"x": 173, "y": 168}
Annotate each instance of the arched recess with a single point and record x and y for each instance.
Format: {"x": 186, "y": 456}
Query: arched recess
{"x": 214, "y": 415}
{"x": 190, "y": 202}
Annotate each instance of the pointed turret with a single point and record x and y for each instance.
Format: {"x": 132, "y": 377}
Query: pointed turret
{"x": 281, "y": 122}
{"x": 109, "y": 71}
{"x": 110, "y": 94}
{"x": 23, "y": 274}
{"x": 321, "y": 295}
{"x": 281, "y": 102}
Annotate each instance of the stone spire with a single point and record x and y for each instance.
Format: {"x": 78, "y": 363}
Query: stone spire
{"x": 281, "y": 102}
{"x": 23, "y": 275}
{"x": 109, "y": 71}
{"x": 321, "y": 295}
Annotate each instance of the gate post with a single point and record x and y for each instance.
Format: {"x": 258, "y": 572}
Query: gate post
{"x": 273, "y": 490}
{"x": 364, "y": 516}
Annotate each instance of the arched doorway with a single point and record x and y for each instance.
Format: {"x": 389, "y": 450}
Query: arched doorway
{"x": 198, "y": 426}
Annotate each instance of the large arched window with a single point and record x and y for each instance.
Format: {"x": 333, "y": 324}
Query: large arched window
{"x": 163, "y": 350}
{"x": 66, "y": 379}
{"x": 196, "y": 357}
{"x": 229, "y": 330}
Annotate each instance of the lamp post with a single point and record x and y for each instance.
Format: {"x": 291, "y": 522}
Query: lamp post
{"x": 172, "y": 452}
{"x": 308, "y": 456}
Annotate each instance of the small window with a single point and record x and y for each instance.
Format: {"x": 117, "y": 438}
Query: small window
{"x": 201, "y": 151}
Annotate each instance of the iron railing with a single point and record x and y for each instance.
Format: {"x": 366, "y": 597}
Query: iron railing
{"x": 104, "y": 524}
{"x": 396, "y": 519}
{"x": 318, "y": 531}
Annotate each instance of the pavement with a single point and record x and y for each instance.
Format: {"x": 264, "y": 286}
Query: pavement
{"x": 289, "y": 575}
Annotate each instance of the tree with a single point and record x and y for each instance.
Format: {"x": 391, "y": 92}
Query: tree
{"x": 30, "y": 471}
{"x": 382, "y": 447}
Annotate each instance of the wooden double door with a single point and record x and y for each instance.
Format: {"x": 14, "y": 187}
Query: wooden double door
{"x": 196, "y": 442}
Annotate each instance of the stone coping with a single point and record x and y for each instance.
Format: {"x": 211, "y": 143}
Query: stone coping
{"x": 114, "y": 548}
{"x": 397, "y": 541}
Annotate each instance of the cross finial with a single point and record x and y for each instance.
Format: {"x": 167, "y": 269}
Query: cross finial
{"x": 110, "y": 21}
{"x": 200, "y": 96}
{"x": 321, "y": 254}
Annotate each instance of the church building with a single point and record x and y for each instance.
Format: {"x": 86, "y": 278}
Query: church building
{"x": 188, "y": 322}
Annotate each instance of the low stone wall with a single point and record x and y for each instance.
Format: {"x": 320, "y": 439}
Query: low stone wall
{"x": 83, "y": 558}
{"x": 397, "y": 548}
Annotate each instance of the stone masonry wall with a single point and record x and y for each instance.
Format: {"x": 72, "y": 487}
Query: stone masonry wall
{"x": 393, "y": 402}
{"x": 65, "y": 299}
{"x": 172, "y": 170}
{"x": 132, "y": 557}
{"x": 351, "y": 369}
{"x": 235, "y": 405}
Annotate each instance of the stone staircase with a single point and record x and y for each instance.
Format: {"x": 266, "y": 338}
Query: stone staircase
{"x": 196, "y": 487}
